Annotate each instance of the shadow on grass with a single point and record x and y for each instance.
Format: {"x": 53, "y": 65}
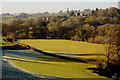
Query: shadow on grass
{"x": 93, "y": 54}
{"x": 101, "y": 72}
{"x": 27, "y": 54}
{"x": 81, "y": 56}
{"x": 9, "y": 72}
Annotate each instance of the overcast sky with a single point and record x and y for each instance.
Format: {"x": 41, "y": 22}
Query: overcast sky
{"x": 34, "y": 6}
{"x": 59, "y": 0}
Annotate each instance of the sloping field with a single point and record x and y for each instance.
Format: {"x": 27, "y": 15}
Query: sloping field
{"x": 38, "y": 63}
{"x": 77, "y": 49}
{"x": 67, "y": 46}
{"x": 33, "y": 62}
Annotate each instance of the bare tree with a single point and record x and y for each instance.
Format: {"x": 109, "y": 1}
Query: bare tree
{"x": 113, "y": 41}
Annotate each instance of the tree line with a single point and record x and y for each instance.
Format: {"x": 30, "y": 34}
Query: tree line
{"x": 91, "y": 28}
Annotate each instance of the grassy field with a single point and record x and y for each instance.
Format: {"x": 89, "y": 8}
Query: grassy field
{"x": 9, "y": 18}
{"x": 58, "y": 68}
{"x": 66, "y": 46}
{"x": 6, "y": 18}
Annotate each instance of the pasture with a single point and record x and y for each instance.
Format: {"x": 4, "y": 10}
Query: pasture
{"x": 66, "y": 46}
{"x": 86, "y": 50}
{"x": 33, "y": 62}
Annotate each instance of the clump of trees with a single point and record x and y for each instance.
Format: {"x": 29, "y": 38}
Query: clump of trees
{"x": 90, "y": 28}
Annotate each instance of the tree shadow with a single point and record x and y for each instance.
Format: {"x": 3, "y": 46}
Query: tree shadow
{"x": 27, "y": 54}
{"x": 93, "y": 54}
{"x": 101, "y": 72}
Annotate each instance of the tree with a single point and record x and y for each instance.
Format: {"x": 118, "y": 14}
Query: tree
{"x": 10, "y": 30}
{"x": 112, "y": 12}
{"x": 92, "y": 20}
{"x": 113, "y": 49}
{"x": 82, "y": 34}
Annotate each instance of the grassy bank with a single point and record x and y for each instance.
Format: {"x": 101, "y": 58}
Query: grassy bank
{"x": 60, "y": 69}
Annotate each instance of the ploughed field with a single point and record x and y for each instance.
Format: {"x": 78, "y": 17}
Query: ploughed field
{"x": 37, "y": 63}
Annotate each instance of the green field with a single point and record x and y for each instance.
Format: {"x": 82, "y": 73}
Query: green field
{"x": 59, "y": 67}
{"x": 6, "y": 18}
{"x": 9, "y": 18}
{"x": 66, "y": 46}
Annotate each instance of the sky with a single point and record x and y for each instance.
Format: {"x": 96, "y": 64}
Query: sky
{"x": 59, "y": 0}
{"x": 36, "y": 6}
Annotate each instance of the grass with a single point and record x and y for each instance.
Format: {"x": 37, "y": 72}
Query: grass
{"x": 3, "y": 43}
{"x": 60, "y": 69}
{"x": 67, "y": 46}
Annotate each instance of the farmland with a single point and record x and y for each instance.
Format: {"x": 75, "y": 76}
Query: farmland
{"x": 89, "y": 50}
{"x": 46, "y": 65}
